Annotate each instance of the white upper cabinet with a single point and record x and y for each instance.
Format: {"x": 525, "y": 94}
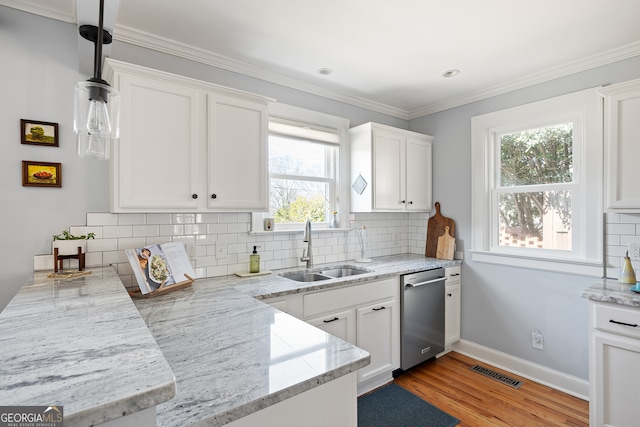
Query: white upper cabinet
{"x": 186, "y": 145}
{"x": 395, "y": 168}
{"x": 622, "y": 146}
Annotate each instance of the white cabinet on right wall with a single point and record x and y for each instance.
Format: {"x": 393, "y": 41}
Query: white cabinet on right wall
{"x": 391, "y": 169}
{"x": 622, "y": 145}
{"x": 451, "y": 306}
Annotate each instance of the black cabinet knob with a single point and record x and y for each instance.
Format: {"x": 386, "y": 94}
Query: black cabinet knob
{"x": 194, "y": 196}
{"x": 403, "y": 201}
{"x": 411, "y": 202}
{"x": 214, "y": 196}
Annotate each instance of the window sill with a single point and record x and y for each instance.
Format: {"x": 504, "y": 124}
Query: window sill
{"x": 298, "y": 230}
{"x": 577, "y": 267}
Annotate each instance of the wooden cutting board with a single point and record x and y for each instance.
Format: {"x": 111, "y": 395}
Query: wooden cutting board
{"x": 446, "y": 245}
{"x": 436, "y": 228}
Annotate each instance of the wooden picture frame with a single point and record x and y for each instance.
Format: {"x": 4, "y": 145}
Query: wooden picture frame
{"x": 46, "y": 133}
{"x": 41, "y": 174}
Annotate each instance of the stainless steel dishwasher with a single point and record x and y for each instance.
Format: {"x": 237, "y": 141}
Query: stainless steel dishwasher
{"x": 422, "y": 316}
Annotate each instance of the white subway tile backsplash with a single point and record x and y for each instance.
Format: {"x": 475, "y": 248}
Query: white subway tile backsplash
{"x": 621, "y": 229}
{"x": 114, "y": 257}
{"x": 101, "y": 245}
{"x": 131, "y": 243}
{"x": 183, "y": 218}
{"x": 171, "y": 230}
{"x": 101, "y": 219}
{"x": 84, "y": 230}
{"x": 132, "y": 219}
{"x": 117, "y": 231}
{"x": 206, "y": 218}
{"x": 145, "y": 230}
{"x": 216, "y": 228}
{"x": 159, "y": 218}
{"x": 228, "y": 218}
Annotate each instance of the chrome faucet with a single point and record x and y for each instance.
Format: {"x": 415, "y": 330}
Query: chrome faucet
{"x": 307, "y": 255}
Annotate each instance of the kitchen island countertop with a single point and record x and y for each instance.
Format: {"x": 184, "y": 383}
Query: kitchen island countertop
{"x": 80, "y": 343}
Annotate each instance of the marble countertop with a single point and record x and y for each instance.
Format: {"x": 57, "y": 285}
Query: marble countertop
{"x": 80, "y": 343}
{"x": 255, "y": 355}
{"x": 610, "y": 290}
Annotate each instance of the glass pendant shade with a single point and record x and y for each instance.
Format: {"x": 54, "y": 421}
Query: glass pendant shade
{"x": 96, "y": 118}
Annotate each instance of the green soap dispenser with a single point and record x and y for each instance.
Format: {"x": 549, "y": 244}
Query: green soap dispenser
{"x": 254, "y": 261}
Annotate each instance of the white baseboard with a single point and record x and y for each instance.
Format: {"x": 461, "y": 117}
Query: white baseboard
{"x": 560, "y": 381}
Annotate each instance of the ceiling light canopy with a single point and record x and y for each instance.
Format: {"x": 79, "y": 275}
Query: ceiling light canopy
{"x": 97, "y": 105}
{"x": 451, "y": 73}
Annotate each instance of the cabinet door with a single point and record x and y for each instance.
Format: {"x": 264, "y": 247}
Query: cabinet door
{"x": 340, "y": 324}
{"x": 615, "y": 379}
{"x": 418, "y": 174}
{"x": 388, "y": 168}
{"x": 377, "y": 333}
{"x": 155, "y": 164}
{"x": 237, "y": 154}
{"x": 622, "y": 133}
{"x": 451, "y": 314}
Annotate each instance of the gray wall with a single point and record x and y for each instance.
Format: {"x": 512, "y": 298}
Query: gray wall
{"x": 501, "y": 305}
{"x": 38, "y": 73}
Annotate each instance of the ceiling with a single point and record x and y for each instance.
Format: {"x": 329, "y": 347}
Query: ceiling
{"x": 386, "y": 56}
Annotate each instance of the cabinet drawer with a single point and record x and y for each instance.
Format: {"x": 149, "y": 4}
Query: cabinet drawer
{"x": 452, "y": 275}
{"x": 332, "y": 300}
{"x": 611, "y": 318}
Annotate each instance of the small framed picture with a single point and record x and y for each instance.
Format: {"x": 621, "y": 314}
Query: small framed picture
{"x": 41, "y": 174}
{"x": 38, "y": 133}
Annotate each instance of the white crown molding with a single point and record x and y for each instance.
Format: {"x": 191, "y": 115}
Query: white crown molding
{"x": 614, "y": 55}
{"x": 39, "y": 9}
{"x": 135, "y": 37}
{"x": 171, "y": 47}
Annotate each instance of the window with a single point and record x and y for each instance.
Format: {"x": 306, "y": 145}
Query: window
{"x": 307, "y": 163}
{"x": 537, "y": 185}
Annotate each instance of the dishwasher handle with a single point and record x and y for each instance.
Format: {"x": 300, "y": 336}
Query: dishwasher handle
{"x": 413, "y": 285}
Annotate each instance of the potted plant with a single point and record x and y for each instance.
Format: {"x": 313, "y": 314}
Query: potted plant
{"x": 67, "y": 243}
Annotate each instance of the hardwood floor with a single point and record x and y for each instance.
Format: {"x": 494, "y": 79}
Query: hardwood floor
{"x": 478, "y": 401}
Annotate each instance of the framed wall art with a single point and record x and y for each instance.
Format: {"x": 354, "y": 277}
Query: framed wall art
{"x": 34, "y": 132}
{"x": 41, "y": 174}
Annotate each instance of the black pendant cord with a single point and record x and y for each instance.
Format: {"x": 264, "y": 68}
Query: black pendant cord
{"x": 97, "y": 66}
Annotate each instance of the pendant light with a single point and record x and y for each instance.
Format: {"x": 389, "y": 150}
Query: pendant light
{"x": 97, "y": 105}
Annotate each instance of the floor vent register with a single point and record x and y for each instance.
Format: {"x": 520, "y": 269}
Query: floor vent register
{"x": 496, "y": 376}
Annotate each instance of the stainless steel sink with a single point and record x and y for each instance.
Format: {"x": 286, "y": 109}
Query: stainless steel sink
{"x": 306, "y": 277}
{"x": 343, "y": 272}
{"x": 328, "y": 274}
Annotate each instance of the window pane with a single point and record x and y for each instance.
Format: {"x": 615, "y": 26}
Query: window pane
{"x": 296, "y": 157}
{"x": 535, "y": 220}
{"x": 537, "y": 156}
{"x": 293, "y": 201}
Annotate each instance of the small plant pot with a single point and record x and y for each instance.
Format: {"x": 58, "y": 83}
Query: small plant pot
{"x": 69, "y": 247}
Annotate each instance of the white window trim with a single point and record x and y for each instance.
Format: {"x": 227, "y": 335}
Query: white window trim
{"x": 287, "y": 112}
{"x": 586, "y": 258}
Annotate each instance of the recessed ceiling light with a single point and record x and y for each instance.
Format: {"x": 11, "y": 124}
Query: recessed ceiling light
{"x": 451, "y": 73}
{"x": 325, "y": 71}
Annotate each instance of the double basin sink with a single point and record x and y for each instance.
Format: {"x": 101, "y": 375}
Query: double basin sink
{"x": 328, "y": 274}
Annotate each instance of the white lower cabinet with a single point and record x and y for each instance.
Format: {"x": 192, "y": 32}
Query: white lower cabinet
{"x": 341, "y": 324}
{"x": 452, "y": 299}
{"x": 614, "y": 365}
{"x": 374, "y": 325}
{"x": 366, "y": 315}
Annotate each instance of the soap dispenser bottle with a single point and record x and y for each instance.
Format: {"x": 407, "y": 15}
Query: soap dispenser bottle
{"x": 254, "y": 261}
{"x": 627, "y": 273}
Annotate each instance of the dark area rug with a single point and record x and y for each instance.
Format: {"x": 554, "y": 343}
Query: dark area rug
{"x": 393, "y": 406}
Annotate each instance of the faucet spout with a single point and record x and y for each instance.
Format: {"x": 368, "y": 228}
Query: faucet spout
{"x": 308, "y": 254}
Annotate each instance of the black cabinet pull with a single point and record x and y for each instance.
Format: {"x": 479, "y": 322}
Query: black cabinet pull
{"x": 410, "y": 202}
{"x": 331, "y": 320}
{"x": 378, "y": 309}
{"x": 213, "y": 196}
{"x": 403, "y": 201}
{"x": 634, "y": 325}
{"x": 194, "y": 196}
{"x": 448, "y": 295}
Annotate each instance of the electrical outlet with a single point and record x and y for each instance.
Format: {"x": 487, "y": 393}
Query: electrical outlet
{"x": 634, "y": 251}
{"x": 190, "y": 248}
{"x": 221, "y": 249}
{"x": 537, "y": 340}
